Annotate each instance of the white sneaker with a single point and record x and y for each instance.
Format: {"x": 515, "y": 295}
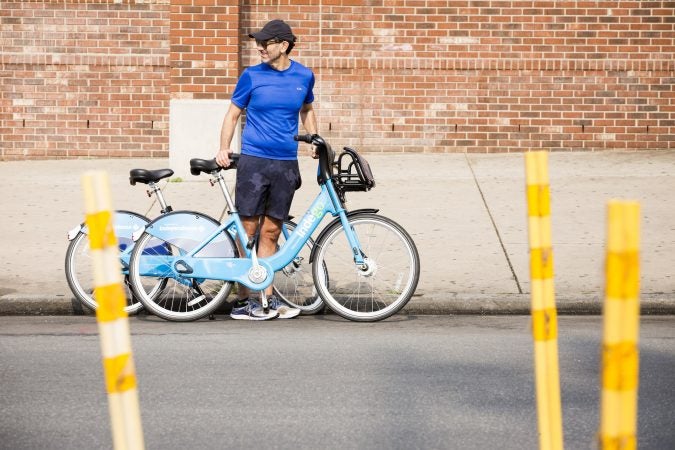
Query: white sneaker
{"x": 252, "y": 311}
{"x": 285, "y": 311}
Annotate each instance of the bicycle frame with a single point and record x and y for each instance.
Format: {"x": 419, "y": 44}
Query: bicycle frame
{"x": 198, "y": 264}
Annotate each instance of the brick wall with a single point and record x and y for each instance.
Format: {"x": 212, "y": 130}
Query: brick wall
{"x": 204, "y": 48}
{"x": 393, "y": 75}
{"x": 477, "y": 76}
{"x": 84, "y": 79}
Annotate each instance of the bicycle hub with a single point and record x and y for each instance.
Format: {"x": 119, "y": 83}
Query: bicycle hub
{"x": 257, "y": 274}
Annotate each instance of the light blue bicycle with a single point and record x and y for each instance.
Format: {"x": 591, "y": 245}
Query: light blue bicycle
{"x": 365, "y": 266}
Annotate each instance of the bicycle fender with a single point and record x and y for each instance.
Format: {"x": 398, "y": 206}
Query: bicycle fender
{"x": 125, "y": 223}
{"x": 177, "y": 217}
{"x": 186, "y": 229}
{"x": 75, "y": 231}
{"x": 337, "y": 219}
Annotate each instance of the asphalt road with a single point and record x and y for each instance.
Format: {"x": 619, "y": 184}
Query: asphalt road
{"x": 458, "y": 382}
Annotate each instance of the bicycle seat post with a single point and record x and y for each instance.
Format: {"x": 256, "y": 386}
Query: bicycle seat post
{"x": 154, "y": 189}
{"x": 218, "y": 177}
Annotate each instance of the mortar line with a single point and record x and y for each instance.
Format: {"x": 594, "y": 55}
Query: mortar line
{"x": 494, "y": 224}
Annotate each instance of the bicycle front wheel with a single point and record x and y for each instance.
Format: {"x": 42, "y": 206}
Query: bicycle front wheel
{"x": 294, "y": 283}
{"x": 183, "y": 298}
{"x": 386, "y": 282}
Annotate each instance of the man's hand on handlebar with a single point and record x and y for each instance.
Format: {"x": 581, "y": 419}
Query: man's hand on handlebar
{"x": 309, "y": 138}
{"x": 223, "y": 157}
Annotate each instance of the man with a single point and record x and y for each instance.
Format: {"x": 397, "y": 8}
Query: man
{"x": 275, "y": 94}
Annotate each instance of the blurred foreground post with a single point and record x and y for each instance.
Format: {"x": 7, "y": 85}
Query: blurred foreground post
{"x": 621, "y": 315}
{"x": 544, "y": 313}
{"x": 113, "y": 325}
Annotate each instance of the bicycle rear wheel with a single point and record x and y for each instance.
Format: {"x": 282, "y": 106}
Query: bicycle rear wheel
{"x": 384, "y": 285}
{"x": 183, "y": 298}
{"x": 294, "y": 283}
{"x": 79, "y": 265}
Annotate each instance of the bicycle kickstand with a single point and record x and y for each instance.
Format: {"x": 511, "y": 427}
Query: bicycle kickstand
{"x": 263, "y": 301}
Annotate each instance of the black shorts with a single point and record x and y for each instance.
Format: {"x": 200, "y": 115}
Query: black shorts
{"x": 266, "y": 186}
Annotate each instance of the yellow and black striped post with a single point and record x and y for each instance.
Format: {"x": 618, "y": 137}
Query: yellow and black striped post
{"x": 544, "y": 314}
{"x": 618, "y": 409}
{"x": 113, "y": 325}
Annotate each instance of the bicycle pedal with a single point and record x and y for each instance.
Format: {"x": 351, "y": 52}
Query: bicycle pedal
{"x": 183, "y": 267}
{"x": 196, "y": 300}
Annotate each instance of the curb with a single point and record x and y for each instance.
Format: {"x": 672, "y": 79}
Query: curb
{"x": 436, "y": 304}
{"x": 39, "y": 305}
{"x": 520, "y": 304}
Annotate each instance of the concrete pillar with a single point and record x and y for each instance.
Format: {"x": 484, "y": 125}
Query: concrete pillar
{"x": 204, "y": 59}
{"x": 194, "y": 132}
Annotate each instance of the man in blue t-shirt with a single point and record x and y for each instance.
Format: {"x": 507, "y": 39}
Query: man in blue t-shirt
{"x": 275, "y": 94}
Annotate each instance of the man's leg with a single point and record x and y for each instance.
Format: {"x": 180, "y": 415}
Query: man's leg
{"x": 269, "y": 237}
{"x": 267, "y": 242}
{"x": 250, "y": 226}
{"x": 243, "y": 308}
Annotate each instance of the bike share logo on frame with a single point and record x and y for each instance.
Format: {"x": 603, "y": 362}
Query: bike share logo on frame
{"x": 171, "y": 227}
{"x": 134, "y": 227}
{"x": 312, "y": 216}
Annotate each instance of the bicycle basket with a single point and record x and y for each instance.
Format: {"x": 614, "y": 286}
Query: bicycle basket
{"x": 353, "y": 172}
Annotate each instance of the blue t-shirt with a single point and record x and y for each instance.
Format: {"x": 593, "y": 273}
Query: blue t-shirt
{"x": 273, "y": 100}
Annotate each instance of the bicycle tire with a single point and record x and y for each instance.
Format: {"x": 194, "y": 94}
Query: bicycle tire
{"x": 294, "y": 284}
{"x": 79, "y": 264}
{"x": 182, "y": 299}
{"x": 388, "y": 282}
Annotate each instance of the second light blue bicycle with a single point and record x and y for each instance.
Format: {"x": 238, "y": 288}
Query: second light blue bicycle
{"x": 365, "y": 266}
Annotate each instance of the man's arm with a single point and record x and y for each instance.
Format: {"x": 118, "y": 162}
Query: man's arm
{"x": 227, "y": 133}
{"x": 309, "y": 122}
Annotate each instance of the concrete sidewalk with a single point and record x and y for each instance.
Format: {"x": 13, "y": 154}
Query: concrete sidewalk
{"x": 466, "y": 213}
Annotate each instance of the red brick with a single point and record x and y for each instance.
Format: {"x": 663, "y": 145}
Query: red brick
{"x": 504, "y": 73}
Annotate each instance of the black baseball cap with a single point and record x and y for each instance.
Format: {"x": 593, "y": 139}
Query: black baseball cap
{"x": 276, "y": 28}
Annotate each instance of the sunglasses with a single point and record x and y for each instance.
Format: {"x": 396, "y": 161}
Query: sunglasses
{"x": 264, "y": 44}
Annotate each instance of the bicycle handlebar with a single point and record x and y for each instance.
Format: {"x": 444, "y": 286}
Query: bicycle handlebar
{"x": 326, "y": 155}
{"x": 305, "y": 137}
